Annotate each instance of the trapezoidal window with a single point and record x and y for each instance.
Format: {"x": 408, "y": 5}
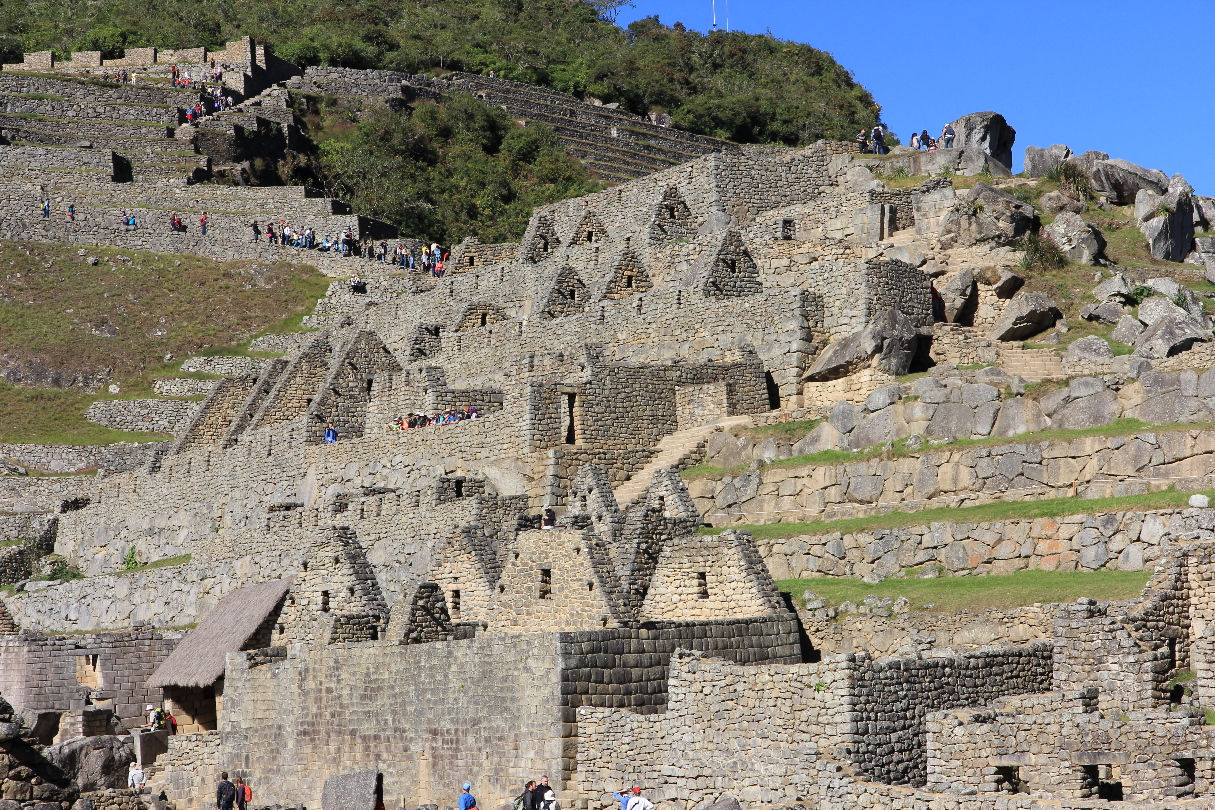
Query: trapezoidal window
{"x": 1008, "y": 780}
{"x": 571, "y": 424}
{"x": 472, "y": 261}
{"x": 702, "y": 584}
{"x": 546, "y": 583}
{"x": 88, "y": 671}
{"x": 484, "y": 317}
{"x": 324, "y": 601}
{"x": 454, "y": 602}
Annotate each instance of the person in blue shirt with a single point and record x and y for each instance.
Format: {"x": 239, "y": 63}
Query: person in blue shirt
{"x": 330, "y": 438}
{"x": 467, "y": 800}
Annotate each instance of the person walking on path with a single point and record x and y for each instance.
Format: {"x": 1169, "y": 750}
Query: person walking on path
{"x": 467, "y": 800}
{"x": 257, "y": 232}
{"x": 202, "y": 223}
{"x": 225, "y": 794}
{"x": 243, "y": 794}
{"x": 538, "y": 791}
{"x": 71, "y": 213}
{"x": 637, "y": 801}
{"x": 528, "y": 797}
{"x": 46, "y": 209}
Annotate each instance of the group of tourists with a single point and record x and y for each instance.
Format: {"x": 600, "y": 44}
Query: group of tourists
{"x": 432, "y": 260}
{"x": 873, "y": 142}
{"x": 288, "y": 235}
{"x": 229, "y": 795}
{"x": 45, "y": 207}
{"x": 177, "y": 225}
{"x": 118, "y": 77}
{"x": 419, "y": 420}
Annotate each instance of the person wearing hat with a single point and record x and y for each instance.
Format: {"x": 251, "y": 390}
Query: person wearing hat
{"x": 637, "y": 801}
{"x": 467, "y": 800}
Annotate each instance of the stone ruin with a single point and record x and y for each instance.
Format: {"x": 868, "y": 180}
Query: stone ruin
{"x": 387, "y": 616}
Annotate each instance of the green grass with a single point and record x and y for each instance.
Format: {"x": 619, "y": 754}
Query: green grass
{"x": 792, "y": 430}
{"x": 160, "y": 303}
{"x": 165, "y": 563}
{"x": 983, "y": 513}
{"x": 1119, "y": 427}
{"x": 976, "y": 594}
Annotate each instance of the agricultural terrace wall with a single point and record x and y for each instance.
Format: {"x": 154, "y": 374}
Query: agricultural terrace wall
{"x": 1093, "y": 467}
{"x": 120, "y": 111}
{"x": 95, "y": 94}
{"x": 118, "y": 457}
{"x": 41, "y": 672}
{"x": 28, "y": 494}
{"x": 1125, "y": 541}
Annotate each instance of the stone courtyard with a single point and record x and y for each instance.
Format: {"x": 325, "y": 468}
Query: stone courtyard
{"x": 540, "y": 590}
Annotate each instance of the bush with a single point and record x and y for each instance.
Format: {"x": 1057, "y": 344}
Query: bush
{"x": 1040, "y": 253}
{"x": 1074, "y": 181}
{"x": 1141, "y": 293}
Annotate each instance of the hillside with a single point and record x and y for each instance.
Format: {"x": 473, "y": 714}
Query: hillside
{"x": 743, "y": 87}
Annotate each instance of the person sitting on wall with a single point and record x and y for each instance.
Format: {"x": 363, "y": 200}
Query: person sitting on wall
{"x": 330, "y": 434}
{"x": 548, "y": 521}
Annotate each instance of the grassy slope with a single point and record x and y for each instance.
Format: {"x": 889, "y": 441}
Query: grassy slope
{"x": 1050, "y": 507}
{"x": 976, "y": 594}
{"x": 52, "y": 301}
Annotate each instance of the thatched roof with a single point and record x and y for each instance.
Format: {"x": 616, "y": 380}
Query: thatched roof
{"x": 198, "y": 660}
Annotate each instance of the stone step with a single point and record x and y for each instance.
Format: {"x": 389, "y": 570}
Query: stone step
{"x": 674, "y": 449}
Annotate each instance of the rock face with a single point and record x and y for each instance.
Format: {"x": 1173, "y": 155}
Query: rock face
{"x": 987, "y": 131}
{"x": 1039, "y": 161}
{"x": 1088, "y": 161}
{"x": 1108, "y": 312}
{"x": 1127, "y": 330}
{"x": 984, "y": 214}
{"x": 958, "y": 294}
{"x": 888, "y": 343}
{"x": 1157, "y": 308}
{"x": 1115, "y": 288}
{"x": 1121, "y": 180}
{"x": 1081, "y": 242}
{"x": 1167, "y": 220}
{"x": 1089, "y": 348}
{"x": 1054, "y": 202}
{"x": 94, "y": 763}
{"x": 1025, "y": 315}
{"x": 350, "y": 791}
{"x": 1167, "y": 337}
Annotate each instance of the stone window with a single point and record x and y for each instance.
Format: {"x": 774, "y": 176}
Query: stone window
{"x": 472, "y": 260}
{"x": 788, "y": 227}
{"x": 702, "y": 585}
{"x": 454, "y": 602}
{"x": 1186, "y": 766}
{"x": 571, "y": 423}
{"x": 1104, "y": 782}
{"x": 546, "y": 583}
{"x": 324, "y": 601}
{"x": 1008, "y": 780}
{"x": 88, "y": 671}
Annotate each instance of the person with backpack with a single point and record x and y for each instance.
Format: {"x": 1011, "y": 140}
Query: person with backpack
{"x": 46, "y": 209}
{"x": 526, "y": 800}
{"x": 244, "y": 794}
{"x": 467, "y": 800}
{"x": 947, "y": 136}
{"x": 879, "y": 140}
{"x": 330, "y": 438}
{"x": 225, "y": 794}
{"x": 257, "y": 232}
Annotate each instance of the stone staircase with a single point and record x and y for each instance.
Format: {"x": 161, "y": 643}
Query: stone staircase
{"x": 1032, "y": 365}
{"x": 675, "y": 450}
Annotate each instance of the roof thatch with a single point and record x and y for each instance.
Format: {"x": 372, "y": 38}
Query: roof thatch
{"x": 198, "y": 660}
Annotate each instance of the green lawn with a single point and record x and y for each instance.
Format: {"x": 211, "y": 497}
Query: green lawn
{"x": 1011, "y": 510}
{"x": 978, "y": 593}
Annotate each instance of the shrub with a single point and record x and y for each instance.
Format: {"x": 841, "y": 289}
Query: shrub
{"x": 1039, "y": 252}
{"x": 130, "y": 562}
{"x": 900, "y": 172}
{"x": 1026, "y": 194}
{"x": 1141, "y": 293}
{"x": 1072, "y": 179}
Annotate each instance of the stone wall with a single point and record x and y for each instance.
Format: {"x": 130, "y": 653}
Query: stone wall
{"x": 155, "y": 415}
{"x": 1125, "y": 541}
{"x": 224, "y": 366}
{"x": 182, "y": 387}
{"x": 56, "y": 672}
{"x": 29, "y": 494}
{"x": 58, "y": 458}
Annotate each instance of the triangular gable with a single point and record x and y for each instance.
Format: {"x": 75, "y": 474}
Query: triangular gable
{"x": 543, "y": 242}
{"x": 672, "y": 218}
{"x": 629, "y": 277}
{"x": 566, "y": 295}
{"x": 732, "y": 272}
{"x": 589, "y": 230}
{"x": 344, "y": 396}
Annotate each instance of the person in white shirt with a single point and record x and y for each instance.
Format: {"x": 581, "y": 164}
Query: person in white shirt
{"x": 637, "y": 801}
{"x": 136, "y": 778}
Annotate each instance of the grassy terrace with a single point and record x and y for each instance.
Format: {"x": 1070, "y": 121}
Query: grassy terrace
{"x": 983, "y": 513}
{"x": 977, "y": 594}
{"x": 52, "y": 305}
{"x": 1119, "y": 427}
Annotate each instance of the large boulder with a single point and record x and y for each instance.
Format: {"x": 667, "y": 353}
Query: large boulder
{"x": 1089, "y": 348}
{"x": 987, "y": 131}
{"x": 1157, "y": 308}
{"x": 94, "y": 763}
{"x": 888, "y": 344}
{"x": 1081, "y": 242}
{"x": 1107, "y": 312}
{"x": 959, "y": 295}
{"x": 1167, "y": 221}
{"x": 1168, "y": 337}
{"x": 1088, "y": 161}
{"x": 1127, "y": 331}
{"x": 1056, "y": 202}
{"x": 1024, "y": 316}
{"x": 1175, "y": 291}
{"x": 1121, "y": 180}
{"x": 984, "y": 214}
{"x": 1115, "y": 288}
{"x": 1039, "y": 161}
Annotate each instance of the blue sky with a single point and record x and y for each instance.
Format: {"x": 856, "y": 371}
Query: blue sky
{"x": 1134, "y": 79}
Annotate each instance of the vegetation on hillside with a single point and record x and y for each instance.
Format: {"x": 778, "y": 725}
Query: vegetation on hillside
{"x": 122, "y": 317}
{"x": 748, "y": 88}
{"x": 440, "y": 172}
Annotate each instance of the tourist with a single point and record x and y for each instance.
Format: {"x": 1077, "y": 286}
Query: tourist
{"x": 71, "y": 213}
{"x": 548, "y": 520}
{"x": 136, "y": 778}
{"x": 467, "y": 800}
{"x": 330, "y": 434}
{"x": 879, "y": 140}
{"x": 862, "y": 142}
{"x": 947, "y": 136}
{"x": 538, "y": 792}
{"x": 241, "y": 800}
{"x": 914, "y": 143}
{"x": 46, "y": 209}
{"x": 927, "y": 141}
{"x": 623, "y": 797}
{"x": 527, "y": 799}
{"x": 271, "y": 236}
{"x": 257, "y": 232}
{"x": 202, "y": 223}
{"x": 225, "y": 793}
{"x": 637, "y": 801}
